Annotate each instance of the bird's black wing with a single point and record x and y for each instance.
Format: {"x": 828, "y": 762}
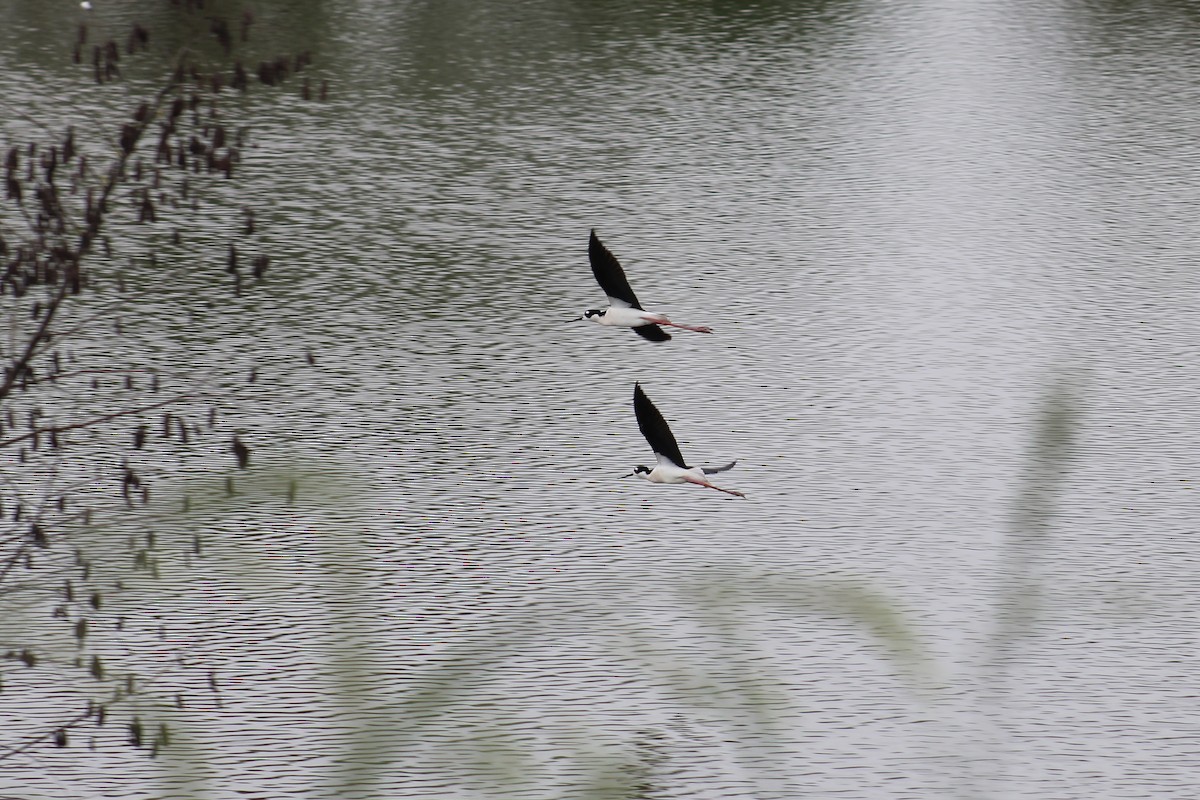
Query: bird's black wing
{"x": 652, "y": 332}
{"x": 655, "y": 429}
{"x": 609, "y": 274}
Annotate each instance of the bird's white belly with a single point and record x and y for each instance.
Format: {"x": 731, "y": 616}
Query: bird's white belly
{"x": 624, "y": 317}
{"x": 668, "y": 474}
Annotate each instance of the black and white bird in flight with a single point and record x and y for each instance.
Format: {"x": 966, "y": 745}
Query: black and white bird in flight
{"x": 624, "y": 310}
{"x": 671, "y": 466}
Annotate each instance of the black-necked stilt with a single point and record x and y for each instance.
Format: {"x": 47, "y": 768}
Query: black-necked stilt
{"x": 624, "y": 310}
{"x": 671, "y": 466}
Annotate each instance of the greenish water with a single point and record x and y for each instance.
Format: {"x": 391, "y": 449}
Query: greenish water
{"x": 905, "y": 223}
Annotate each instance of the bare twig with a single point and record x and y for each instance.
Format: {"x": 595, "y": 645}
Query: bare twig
{"x": 94, "y": 225}
{"x": 97, "y": 420}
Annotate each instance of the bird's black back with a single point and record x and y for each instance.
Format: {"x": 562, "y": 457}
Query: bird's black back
{"x": 609, "y": 274}
{"x": 655, "y": 428}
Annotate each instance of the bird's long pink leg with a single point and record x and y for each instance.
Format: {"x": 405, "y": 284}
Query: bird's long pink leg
{"x": 699, "y": 482}
{"x": 696, "y": 328}
{"x": 658, "y": 319}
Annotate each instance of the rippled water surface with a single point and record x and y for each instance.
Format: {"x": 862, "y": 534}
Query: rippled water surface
{"x": 906, "y": 222}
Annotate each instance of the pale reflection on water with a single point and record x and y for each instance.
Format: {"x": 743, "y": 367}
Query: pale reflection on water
{"x": 902, "y": 222}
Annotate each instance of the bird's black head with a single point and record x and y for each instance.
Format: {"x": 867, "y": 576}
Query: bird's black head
{"x": 641, "y": 470}
{"x": 593, "y": 312}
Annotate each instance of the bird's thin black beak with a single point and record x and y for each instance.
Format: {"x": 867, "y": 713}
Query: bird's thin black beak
{"x": 575, "y": 319}
{"x": 630, "y": 475}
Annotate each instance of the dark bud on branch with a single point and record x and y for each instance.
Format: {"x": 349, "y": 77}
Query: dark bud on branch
{"x": 139, "y": 38}
{"x": 241, "y": 453}
{"x": 220, "y": 29}
{"x": 240, "y": 78}
{"x": 111, "y": 56}
{"x": 273, "y": 72}
{"x": 146, "y": 212}
{"x": 129, "y": 136}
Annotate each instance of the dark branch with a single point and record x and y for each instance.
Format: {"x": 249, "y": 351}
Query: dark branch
{"x": 96, "y": 420}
